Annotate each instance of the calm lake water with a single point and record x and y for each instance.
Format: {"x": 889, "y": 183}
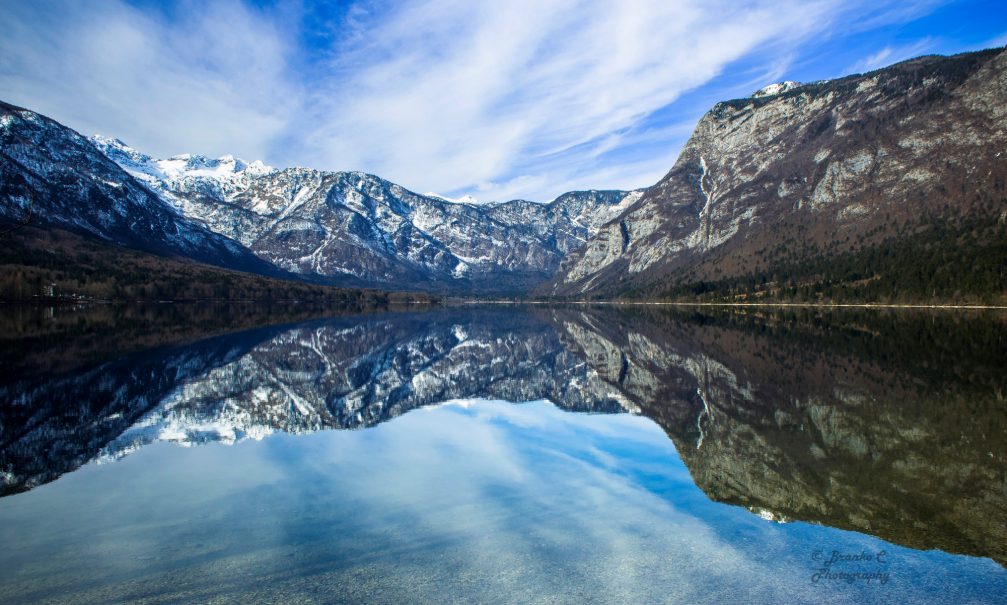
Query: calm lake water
{"x": 502, "y": 455}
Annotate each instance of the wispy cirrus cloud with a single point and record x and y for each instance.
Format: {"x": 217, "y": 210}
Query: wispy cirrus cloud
{"x": 519, "y": 99}
{"x": 211, "y": 79}
{"x": 892, "y": 54}
{"x": 998, "y": 41}
{"x": 508, "y": 98}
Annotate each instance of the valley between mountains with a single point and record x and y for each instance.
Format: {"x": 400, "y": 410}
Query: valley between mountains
{"x": 889, "y": 186}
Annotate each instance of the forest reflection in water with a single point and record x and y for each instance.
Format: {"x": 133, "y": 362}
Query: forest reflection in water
{"x": 890, "y": 424}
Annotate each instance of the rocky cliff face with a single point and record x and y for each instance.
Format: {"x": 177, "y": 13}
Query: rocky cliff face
{"x": 52, "y": 176}
{"x": 812, "y": 171}
{"x": 358, "y": 229}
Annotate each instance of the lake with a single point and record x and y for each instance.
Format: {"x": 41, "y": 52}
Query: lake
{"x": 502, "y": 454}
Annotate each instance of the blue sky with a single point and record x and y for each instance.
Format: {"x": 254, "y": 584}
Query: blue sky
{"x": 500, "y": 100}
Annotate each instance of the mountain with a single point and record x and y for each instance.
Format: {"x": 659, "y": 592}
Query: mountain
{"x": 886, "y": 186}
{"x": 355, "y": 228}
{"x": 337, "y": 228}
{"x": 51, "y": 176}
{"x": 890, "y": 185}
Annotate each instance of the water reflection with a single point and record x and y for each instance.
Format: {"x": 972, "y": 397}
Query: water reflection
{"x": 891, "y": 424}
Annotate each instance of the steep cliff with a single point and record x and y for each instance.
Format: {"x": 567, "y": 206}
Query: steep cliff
{"x": 804, "y": 184}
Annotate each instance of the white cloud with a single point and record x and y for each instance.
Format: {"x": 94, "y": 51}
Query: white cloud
{"x": 997, "y": 42}
{"x": 445, "y": 95}
{"x": 876, "y": 60}
{"x": 891, "y": 54}
{"x": 211, "y": 80}
{"x": 525, "y": 98}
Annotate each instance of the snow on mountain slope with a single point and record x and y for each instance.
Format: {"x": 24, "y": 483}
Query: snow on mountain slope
{"x": 357, "y": 228}
{"x": 221, "y": 177}
{"x": 776, "y": 89}
{"x": 465, "y": 199}
{"x": 51, "y": 175}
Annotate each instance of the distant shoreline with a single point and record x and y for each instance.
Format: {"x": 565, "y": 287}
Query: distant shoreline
{"x": 46, "y": 302}
{"x": 728, "y": 304}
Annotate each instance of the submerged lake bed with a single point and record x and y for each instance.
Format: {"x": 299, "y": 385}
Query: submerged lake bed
{"x": 507, "y": 454}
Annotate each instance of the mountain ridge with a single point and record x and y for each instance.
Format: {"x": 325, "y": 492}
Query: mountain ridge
{"x": 852, "y": 166}
{"x": 329, "y": 228}
{"x": 54, "y": 176}
{"x": 359, "y": 229}
{"x": 880, "y": 187}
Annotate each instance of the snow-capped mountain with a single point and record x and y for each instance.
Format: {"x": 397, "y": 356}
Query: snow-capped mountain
{"x": 331, "y": 227}
{"x": 830, "y": 185}
{"x": 51, "y": 175}
{"x": 216, "y": 176}
{"x": 356, "y": 228}
{"x": 465, "y": 199}
{"x": 776, "y": 89}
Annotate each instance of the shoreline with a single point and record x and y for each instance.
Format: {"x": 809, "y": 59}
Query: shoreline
{"x": 56, "y": 302}
{"x": 727, "y": 304}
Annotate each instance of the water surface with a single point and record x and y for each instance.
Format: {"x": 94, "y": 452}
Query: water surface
{"x": 553, "y": 455}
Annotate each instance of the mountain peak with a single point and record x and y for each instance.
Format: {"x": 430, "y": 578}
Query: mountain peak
{"x": 190, "y": 165}
{"x": 131, "y": 160}
{"x": 863, "y": 167}
{"x": 775, "y": 89}
{"x": 110, "y": 142}
{"x": 183, "y": 165}
{"x": 465, "y": 199}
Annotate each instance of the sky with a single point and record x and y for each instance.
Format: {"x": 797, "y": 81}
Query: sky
{"x": 490, "y": 98}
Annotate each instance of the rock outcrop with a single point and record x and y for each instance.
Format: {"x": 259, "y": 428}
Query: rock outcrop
{"x": 813, "y": 171}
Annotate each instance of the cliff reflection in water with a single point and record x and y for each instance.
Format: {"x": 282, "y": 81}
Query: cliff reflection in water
{"x": 890, "y": 424}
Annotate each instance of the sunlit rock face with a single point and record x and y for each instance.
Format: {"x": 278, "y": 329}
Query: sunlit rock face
{"x": 818, "y": 169}
{"x": 891, "y": 425}
{"x": 357, "y": 228}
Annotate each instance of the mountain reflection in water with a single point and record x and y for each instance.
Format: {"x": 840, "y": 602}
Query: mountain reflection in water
{"x": 891, "y": 424}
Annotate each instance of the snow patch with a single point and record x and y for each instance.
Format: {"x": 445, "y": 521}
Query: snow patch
{"x": 768, "y": 515}
{"x": 225, "y": 170}
{"x": 775, "y": 89}
{"x": 465, "y": 199}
